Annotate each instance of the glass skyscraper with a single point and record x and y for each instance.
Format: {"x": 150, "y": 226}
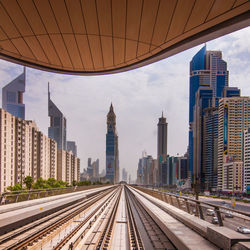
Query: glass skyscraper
{"x": 57, "y": 129}
{"x": 71, "y": 146}
{"x": 208, "y": 83}
{"x": 112, "y": 153}
{"x": 12, "y": 96}
{"x": 162, "y": 145}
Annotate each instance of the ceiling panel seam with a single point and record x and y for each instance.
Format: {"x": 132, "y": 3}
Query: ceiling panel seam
{"x": 74, "y": 34}
{"x": 61, "y": 35}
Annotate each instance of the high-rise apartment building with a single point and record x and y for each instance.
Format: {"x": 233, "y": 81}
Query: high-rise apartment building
{"x": 20, "y": 150}
{"x": 162, "y": 141}
{"x": 12, "y": 96}
{"x": 208, "y": 83}
{"x": 57, "y": 128}
{"x": 61, "y": 164}
{"x": 44, "y": 157}
{"x": 53, "y": 159}
{"x": 77, "y": 169}
{"x": 112, "y": 153}
{"x": 234, "y": 119}
{"x": 68, "y": 166}
{"x": 7, "y": 150}
{"x": 247, "y": 160}
{"x": 25, "y": 151}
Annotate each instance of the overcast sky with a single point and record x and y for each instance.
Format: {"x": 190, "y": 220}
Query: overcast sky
{"x": 138, "y": 96}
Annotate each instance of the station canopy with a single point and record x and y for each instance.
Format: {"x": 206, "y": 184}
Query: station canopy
{"x": 90, "y": 37}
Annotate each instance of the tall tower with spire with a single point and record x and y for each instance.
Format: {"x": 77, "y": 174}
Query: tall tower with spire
{"x": 162, "y": 138}
{"x": 112, "y": 152}
{"x": 12, "y": 96}
{"x": 162, "y": 143}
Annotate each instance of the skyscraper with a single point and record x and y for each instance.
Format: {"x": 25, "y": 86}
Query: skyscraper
{"x": 12, "y": 96}
{"x": 124, "y": 175}
{"x": 112, "y": 153}
{"x": 57, "y": 129}
{"x": 162, "y": 141}
{"x": 71, "y": 146}
{"x": 90, "y": 168}
{"x": 234, "y": 120}
{"x": 208, "y": 83}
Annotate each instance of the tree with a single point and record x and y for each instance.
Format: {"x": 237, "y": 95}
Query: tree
{"x": 16, "y": 187}
{"x": 28, "y": 181}
{"x": 52, "y": 182}
{"x": 39, "y": 184}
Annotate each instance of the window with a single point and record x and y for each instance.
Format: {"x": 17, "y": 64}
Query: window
{"x": 11, "y": 96}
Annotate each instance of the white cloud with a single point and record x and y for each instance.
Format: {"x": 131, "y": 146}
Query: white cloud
{"x": 138, "y": 96}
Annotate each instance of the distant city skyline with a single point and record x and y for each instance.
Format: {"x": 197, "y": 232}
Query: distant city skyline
{"x": 138, "y": 95}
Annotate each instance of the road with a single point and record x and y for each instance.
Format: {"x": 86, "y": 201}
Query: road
{"x": 244, "y": 207}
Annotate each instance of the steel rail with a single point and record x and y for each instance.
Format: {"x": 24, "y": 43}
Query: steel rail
{"x": 28, "y": 240}
{"x": 38, "y": 222}
{"x": 71, "y": 234}
{"x": 134, "y": 235}
{"x": 144, "y": 214}
{"x": 104, "y": 240}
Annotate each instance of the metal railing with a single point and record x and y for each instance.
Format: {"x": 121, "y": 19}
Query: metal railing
{"x": 25, "y": 195}
{"x": 196, "y": 207}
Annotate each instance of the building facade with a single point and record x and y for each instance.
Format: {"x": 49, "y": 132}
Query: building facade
{"x": 208, "y": 83}
{"x": 90, "y": 168}
{"x": 247, "y": 161}
{"x": 112, "y": 152}
{"x": 7, "y": 150}
{"x": 147, "y": 171}
{"x": 234, "y": 119}
{"x": 162, "y": 142}
{"x": 12, "y": 96}
{"x": 71, "y": 146}
{"x": 124, "y": 175}
{"x": 58, "y": 124}
{"x": 95, "y": 167}
{"x": 25, "y": 151}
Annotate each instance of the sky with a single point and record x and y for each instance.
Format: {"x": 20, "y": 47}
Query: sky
{"x": 139, "y": 96}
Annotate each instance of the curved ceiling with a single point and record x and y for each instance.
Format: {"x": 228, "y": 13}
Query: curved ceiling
{"x": 90, "y": 37}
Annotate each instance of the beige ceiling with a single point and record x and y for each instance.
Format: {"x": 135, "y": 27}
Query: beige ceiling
{"x": 106, "y": 36}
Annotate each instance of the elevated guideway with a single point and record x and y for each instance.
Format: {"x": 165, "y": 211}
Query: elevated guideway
{"x": 118, "y": 217}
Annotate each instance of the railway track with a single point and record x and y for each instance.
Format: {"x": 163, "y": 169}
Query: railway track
{"x": 28, "y": 236}
{"x": 119, "y": 218}
{"x": 156, "y": 236}
{"x": 134, "y": 235}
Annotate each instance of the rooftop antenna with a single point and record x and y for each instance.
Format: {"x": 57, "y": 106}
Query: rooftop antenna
{"x": 48, "y": 91}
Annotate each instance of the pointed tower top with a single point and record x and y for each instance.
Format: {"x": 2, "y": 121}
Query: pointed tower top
{"x": 111, "y": 109}
{"x": 48, "y": 91}
{"x": 162, "y": 114}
